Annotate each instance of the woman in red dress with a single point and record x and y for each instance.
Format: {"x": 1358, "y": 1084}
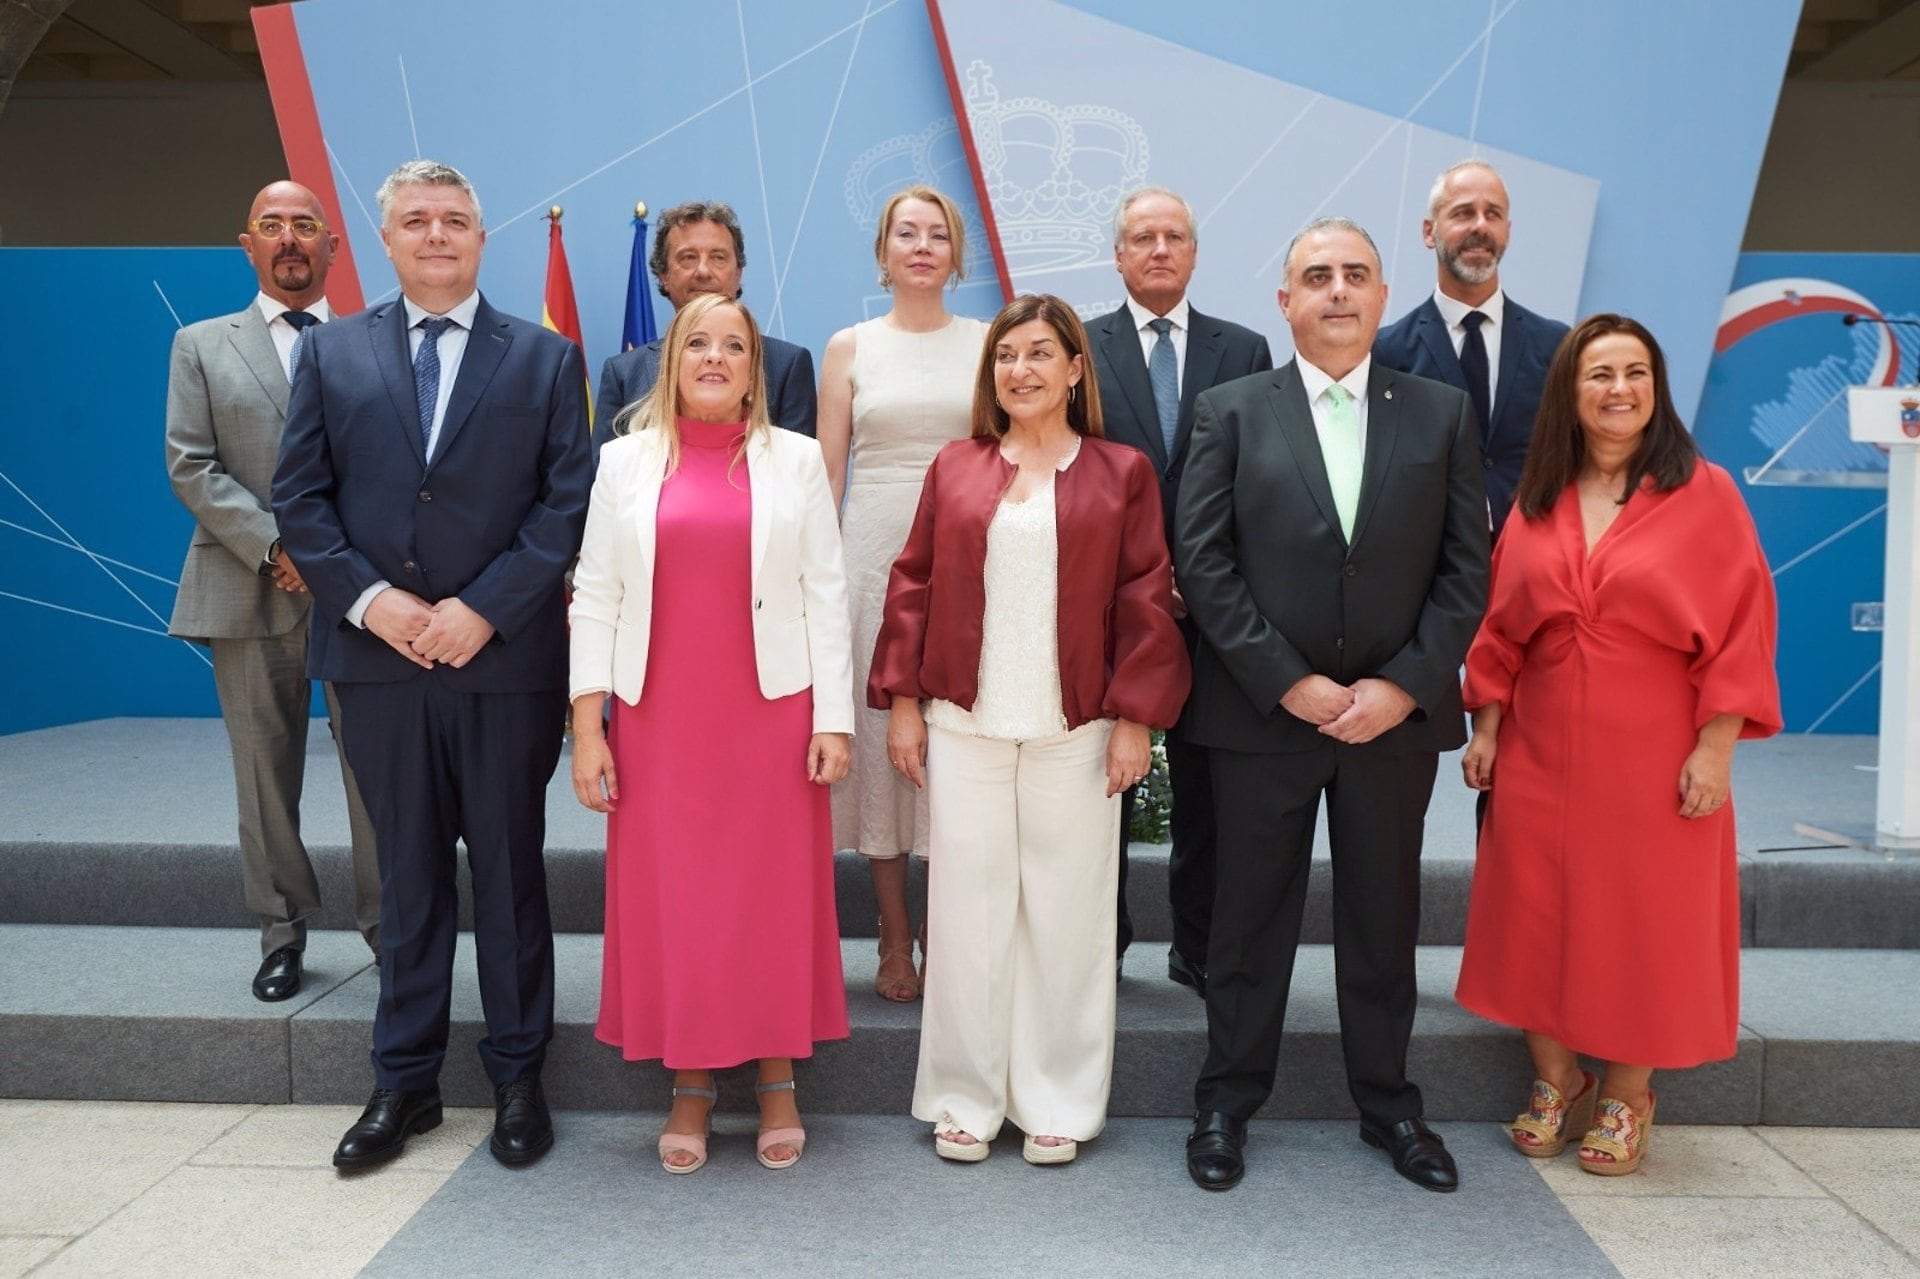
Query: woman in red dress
{"x": 1628, "y": 644}
{"x": 711, "y": 601}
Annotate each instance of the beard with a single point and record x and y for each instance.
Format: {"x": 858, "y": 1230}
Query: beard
{"x": 1468, "y": 272}
{"x": 295, "y": 272}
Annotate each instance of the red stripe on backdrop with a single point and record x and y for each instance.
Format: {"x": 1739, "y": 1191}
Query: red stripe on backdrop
{"x": 973, "y": 154}
{"x": 305, "y": 145}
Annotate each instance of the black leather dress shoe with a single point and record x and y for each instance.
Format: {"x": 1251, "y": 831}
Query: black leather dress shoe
{"x": 522, "y": 1128}
{"x": 1187, "y": 973}
{"x": 1214, "y": 1160}
{"x": 1418, "y": 1153}
{"x": 279, "y": 976}
{"x": 384, "y": 1126}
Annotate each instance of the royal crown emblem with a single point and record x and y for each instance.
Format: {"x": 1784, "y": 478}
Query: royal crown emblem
{"x": 1054, "y": 174}
{"x": 1910, "y": 418}
{"x": 932, "y": 156}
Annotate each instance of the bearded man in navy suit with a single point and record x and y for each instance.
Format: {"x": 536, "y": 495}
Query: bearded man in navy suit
{"x": 1500, "y": 359}
{"x": 432, "y": 490}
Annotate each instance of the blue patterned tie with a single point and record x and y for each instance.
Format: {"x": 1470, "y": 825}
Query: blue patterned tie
{"x": 426, "y": 376}
{"x": 1163, "y": 370}
{"x": 301, "y": 321}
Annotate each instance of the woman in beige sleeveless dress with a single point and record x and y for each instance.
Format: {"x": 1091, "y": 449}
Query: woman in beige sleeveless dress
{"x": 893, "y": 390}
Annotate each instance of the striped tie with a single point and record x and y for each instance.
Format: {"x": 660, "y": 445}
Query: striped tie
{"x": 426, "y": 376}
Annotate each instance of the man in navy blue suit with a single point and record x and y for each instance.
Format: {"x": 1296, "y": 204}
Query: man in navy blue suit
{"x": 432, "y": 490}
{"x": 1499, "y": 359}
{"x": 698, "y": 248}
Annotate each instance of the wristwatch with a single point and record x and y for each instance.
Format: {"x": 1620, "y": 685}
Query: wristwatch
{"x": 273, "y": 559}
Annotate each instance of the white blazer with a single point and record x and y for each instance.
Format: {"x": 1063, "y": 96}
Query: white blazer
{"x": 802, "y": 627}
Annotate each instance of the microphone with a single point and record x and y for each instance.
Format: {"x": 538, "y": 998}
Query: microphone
{"x": 1851, "y": 318}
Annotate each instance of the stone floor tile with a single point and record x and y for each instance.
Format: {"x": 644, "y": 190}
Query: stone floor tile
{"x": 1658, "y": 1238}
{"x": 1872, "y": 1171}
{"x": 21, "y": 1253}
{"x": 251, "y": 1221}
{"x": 90, "y": 1158}
{"x": 1700, "y": 1160}
{"x": 304, "y": 1137}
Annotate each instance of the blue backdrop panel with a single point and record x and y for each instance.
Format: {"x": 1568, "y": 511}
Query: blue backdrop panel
{"x": 1774, "y": 412}
{"x": 93, "y": 538}
{"x": 1272, "y": 114}
{"x": 804, "y": 117}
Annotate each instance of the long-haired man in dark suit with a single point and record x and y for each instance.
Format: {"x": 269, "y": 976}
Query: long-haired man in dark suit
{"x": 1332, "y": 548}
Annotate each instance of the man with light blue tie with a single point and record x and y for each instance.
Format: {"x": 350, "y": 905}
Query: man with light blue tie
{"x": 432, "y": 491}
{"x": 1153, "y": 356}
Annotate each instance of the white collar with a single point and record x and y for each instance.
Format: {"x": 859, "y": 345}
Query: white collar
{"x": 273, "y": 308}
{"x": 461, "y": 314}
{"x": 1316, "y": 381}
{"x": 1179, "y": 314}
{"x": 1452, "y": 310}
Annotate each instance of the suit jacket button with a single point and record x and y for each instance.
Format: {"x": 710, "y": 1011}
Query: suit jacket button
{"x": 756, "y": 606}
{"x": 425, "y": 496}
{"x": 1487, "y": 462}
{"x": 1340, "y": 641}
{"x": 1348, "y": 570}
{"x": 409, "y": 566}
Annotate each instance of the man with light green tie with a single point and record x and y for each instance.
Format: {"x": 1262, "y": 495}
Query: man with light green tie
{"x": 1331, "y": 545}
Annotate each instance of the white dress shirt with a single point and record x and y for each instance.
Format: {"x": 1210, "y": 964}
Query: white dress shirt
{"x": 452, "y": 347}
{"x": 1494, "y": 308}
{"x": 1142, "y": 318}
{"x": 1316, "y": 383}
{"x": 284, "y": 335}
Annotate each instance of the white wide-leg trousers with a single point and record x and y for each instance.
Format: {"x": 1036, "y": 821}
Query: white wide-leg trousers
{"x": 1019, "y": 1006}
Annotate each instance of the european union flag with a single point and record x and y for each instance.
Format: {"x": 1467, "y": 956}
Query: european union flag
{"x": 639, "y": 328}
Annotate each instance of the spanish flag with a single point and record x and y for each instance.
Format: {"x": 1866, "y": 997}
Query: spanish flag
{"x": 558, "y": 310}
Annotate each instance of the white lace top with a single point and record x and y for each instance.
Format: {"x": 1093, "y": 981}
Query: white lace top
{"x": 1019, "y": 697}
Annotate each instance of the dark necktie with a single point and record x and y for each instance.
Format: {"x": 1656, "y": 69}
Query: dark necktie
{"x": 1163, "y": 370}
{"x": 301, "y": 321}
{"x": 426, "y": 376}
{"x": 1473, "y": 363}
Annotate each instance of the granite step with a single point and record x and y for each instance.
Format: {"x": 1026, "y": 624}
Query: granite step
{"x": 1822, "y": 1032}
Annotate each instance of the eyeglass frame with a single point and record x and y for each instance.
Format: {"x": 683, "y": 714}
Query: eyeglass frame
{"x": 288, "y": 224}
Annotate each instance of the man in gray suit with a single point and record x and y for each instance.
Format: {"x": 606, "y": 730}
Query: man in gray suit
{"x": 239, "y": 593}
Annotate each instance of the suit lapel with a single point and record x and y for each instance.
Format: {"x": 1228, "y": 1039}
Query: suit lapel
{"x": 1434, "y": 336}
{"x": 388, "y": 333}
{"x": 1122, "y": 348}
{"x": 487, "y": 345}
{"x": 1205, "y": 346}
{"x": 1510, "y": 343}
{"x": 761, "y": 488}
{"x": 1288, "y": 399}
{"x": 1383, "y": 418}
{"x": 254, "y": 345}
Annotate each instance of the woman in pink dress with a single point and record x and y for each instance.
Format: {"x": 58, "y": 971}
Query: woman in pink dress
{"x": 711, "y": 602}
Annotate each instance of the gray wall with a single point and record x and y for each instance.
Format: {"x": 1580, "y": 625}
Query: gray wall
{"x": 177, "y": 164}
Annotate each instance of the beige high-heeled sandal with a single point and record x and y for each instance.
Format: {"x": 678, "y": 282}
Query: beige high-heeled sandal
{"x": 684, "y": 1143}
{"x": 896, "y": 974}
{"x": 771, "y": 1137}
